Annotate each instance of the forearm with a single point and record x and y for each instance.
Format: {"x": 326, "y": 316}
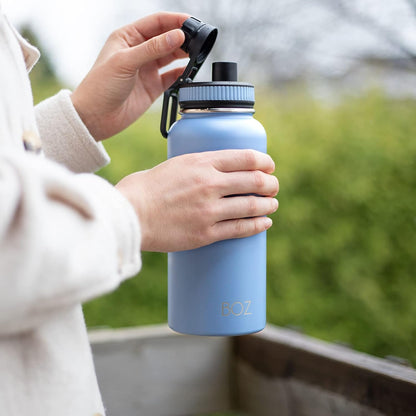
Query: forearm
{"x": 64, "y": 238}
{"x": 65, "y": 138}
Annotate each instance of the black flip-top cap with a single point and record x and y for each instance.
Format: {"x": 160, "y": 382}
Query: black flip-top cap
{"x": 199, "y": 39}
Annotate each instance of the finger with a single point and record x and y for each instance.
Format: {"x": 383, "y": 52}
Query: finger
{"x": 242, "y": 160}
{"x": 168, "y": 78}
{"x": 151, "y": 50}
{"x": 177, "y": 54}
{"x": 246, "y": 207}
{"x": 253, "y": 182}
{"x": 151, "y": 26}
{"x": 240, "y": 228}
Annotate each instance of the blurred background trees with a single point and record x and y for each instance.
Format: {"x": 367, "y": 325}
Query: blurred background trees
{"x": 336, "y": 85}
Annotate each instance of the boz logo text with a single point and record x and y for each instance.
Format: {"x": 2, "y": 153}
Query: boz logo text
{"x": 236, "y": 308}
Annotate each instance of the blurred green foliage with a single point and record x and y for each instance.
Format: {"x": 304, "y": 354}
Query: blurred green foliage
{"x": 43, "y": 78}
{"x": 341, "y": 260}
{"x": 341, "y": 253}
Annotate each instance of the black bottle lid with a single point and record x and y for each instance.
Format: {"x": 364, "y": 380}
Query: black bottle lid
{"x": 199, "y": 40}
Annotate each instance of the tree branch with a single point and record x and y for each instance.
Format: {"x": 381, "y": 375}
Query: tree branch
{"x": 368, "y": 23}
{"x": 412, "y": 5}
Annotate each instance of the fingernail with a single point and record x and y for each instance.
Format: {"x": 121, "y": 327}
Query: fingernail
{"x": 275, "y": 204}
{"x": 267, "y": 223}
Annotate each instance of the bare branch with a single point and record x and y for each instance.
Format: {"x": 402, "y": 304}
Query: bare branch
{"x": 412, "y": 5}
{"x": 341, "y": 8}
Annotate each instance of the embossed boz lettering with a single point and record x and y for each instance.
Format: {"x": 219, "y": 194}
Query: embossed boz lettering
{"x": 236, "y": 308}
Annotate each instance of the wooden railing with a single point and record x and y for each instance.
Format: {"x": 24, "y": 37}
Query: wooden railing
{"x": 152, "y": 371}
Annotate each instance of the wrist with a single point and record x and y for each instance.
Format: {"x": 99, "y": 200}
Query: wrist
{"x": 87, "y": 117}
{"x": 132, "y": 188}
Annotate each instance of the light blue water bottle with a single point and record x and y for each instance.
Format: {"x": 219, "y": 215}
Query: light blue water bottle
{"x": 219, "y": 289}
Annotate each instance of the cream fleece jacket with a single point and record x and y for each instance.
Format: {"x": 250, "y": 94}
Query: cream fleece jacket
{"x": 65, "y": 237}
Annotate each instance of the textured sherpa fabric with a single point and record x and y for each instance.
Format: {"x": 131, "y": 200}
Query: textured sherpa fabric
{"x": 65, "y": 238}
{"x": 65, "y": 138}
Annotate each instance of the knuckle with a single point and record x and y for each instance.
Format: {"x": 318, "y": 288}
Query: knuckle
{"x": 258, "y": 178}
{"x": 152, "y": 47}
{"x": 202, "y": 160}
{"x": 250, "y": 157}
{"x": 203, "y": 184}
{"x": 258, "y": 226}
{"x": 198, "y": 161}
{"x": 251, "y": 206}
{"x": 199, "y": 180}
{"x": 208, "y": 211}
{"x": 247, "y": 227}
{"x": 241, "y": 227}
{"x": 115, "y": 34}
{"x": 208, "y": 185}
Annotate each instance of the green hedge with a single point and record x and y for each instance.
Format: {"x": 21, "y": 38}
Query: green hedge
{"x": 342, "y": 261}
{"x": 341, "y": 253}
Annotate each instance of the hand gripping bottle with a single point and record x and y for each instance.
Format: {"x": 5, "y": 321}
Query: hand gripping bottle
{"x": 219, "y": 289}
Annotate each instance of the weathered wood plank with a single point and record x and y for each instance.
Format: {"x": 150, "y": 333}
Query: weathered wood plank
{"x": 281, "y": 372}
{"x": 154, "y": 372}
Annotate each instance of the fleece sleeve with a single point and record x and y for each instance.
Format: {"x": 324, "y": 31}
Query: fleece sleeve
{"x": 64, "y": 238}
{"x": 65, "y": 139}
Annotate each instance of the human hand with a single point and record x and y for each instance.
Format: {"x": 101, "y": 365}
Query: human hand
{"x": 182, "y": 202}
{"x": 125, "y": 80}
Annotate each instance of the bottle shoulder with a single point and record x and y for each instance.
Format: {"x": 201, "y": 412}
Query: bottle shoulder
{"x": 193, "y": 134}
{"x": 218, "y": 121}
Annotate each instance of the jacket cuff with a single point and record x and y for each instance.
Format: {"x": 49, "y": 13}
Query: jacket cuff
{"x": 119, "y": 216}
{"x": 65, "y": 138}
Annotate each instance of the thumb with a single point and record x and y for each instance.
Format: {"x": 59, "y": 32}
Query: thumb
{"x": 153, "y": 49}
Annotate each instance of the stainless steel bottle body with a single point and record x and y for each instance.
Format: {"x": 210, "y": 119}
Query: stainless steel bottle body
{"x": 219, "y": 289}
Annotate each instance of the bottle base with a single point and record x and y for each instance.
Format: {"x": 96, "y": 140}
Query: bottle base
{"x": 216, "y": 333}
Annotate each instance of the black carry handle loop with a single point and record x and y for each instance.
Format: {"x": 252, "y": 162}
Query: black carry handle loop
{"x": 169, "y": 93}
{"x": 199, "y": 40}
